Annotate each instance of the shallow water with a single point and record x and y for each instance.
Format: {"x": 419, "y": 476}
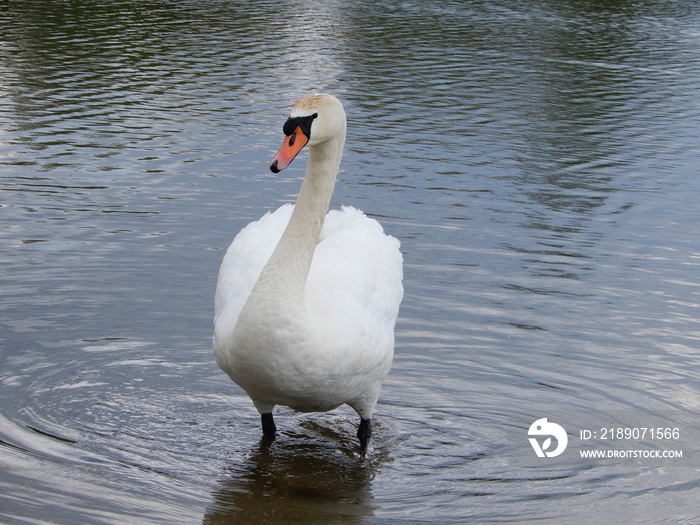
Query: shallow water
{"x": 538, "y": 162}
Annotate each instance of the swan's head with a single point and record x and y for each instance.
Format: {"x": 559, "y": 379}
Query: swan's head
{"x": 314, "y": 119}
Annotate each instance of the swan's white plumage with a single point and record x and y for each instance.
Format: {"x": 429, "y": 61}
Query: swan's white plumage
{"x": 335, "y": 344}
{"x": 243, "y": 263}
{"x": 352, "y": 290}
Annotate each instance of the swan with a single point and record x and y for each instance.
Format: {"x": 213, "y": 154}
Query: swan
{"x": 307, "y": 299}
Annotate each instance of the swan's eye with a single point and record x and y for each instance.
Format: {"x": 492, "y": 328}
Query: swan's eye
{"x": 304, "y": 123}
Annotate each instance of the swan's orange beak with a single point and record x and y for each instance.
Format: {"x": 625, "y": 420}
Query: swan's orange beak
{"x": 290, "y": 148}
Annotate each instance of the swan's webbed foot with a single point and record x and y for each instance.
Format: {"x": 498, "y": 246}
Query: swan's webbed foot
{"x": 364, "y": 432}
{"x": 268, "y": 425}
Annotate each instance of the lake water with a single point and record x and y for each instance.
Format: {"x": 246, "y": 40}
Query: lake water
{"x": 539, "y": 163}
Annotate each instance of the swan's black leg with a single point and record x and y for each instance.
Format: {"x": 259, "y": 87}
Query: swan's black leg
{"x": 268, "y": 425}
{"x": 364, "y": 432}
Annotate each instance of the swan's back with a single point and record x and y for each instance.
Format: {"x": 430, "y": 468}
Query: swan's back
{"x": 354, "y": 281}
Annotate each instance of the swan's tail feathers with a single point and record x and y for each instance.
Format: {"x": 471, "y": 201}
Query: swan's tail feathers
{"x": 364, "y": 432}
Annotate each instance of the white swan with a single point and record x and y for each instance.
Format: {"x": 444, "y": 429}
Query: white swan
{"x": 306, "y": 300}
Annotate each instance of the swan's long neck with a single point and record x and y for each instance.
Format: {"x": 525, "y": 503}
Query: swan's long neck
{"x": 284, "y": 275}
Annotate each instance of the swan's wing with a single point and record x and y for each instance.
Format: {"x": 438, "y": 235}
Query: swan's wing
{"x": 244, "y": 261}
{"x": 354, "y": 285}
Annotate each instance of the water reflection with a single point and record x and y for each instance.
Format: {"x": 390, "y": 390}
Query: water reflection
{"x": 311, "y": 476}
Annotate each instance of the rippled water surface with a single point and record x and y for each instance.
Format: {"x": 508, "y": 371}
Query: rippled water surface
{"x": 538, "y": 161}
